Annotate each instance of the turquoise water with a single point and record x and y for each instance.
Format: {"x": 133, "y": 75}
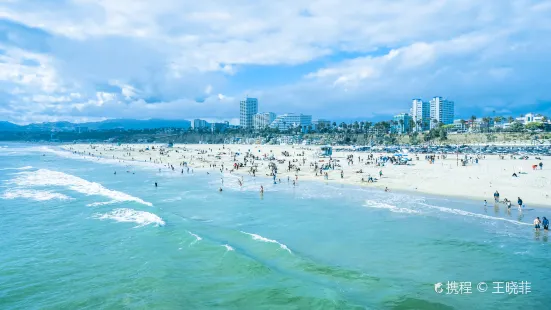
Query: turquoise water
{"x": 74, "y": 235}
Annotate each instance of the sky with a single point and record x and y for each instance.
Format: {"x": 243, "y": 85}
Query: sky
{"x": 88, "y": 60}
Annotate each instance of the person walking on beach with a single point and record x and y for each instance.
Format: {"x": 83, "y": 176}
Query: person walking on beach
{"x": 541, "y": 165}
{"x": 380, "y": 173}
{"x": 519, "y": 201}
{"x": 537, "y": 223}
{"x": 545, "y": 224}
{"x": 496, "y": 196}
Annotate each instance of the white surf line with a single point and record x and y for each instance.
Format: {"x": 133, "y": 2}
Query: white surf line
{"x": 20, "y": 168}
{"x": 125, "y": 215}
{"x": 197, "y": 238}
{"x": 391, "y": 208}
{"x": 471, "y": 214}
{"x": 37, "y": 195}
{"x": 45, "y": 177}
{"x": 263, "y": 239}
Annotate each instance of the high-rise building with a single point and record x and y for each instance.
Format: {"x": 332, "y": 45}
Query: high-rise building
{"x": 290, "y": 120}
{"x": 420, "y": 113}
{"x": 247, "y": 108}
{"x": 402, "y": 123}
{"x": 263, "y": 120}
{"x": 441, "y": 111}
{"x": 199, "y": 123}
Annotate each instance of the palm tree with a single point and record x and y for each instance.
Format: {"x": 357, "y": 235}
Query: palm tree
{"x": 486, "y": 121}
{"x": 510, "y": 119}
{"x": 419, "y": 124}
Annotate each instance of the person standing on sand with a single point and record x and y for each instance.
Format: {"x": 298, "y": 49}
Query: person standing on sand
{"x": 541, "y": 165}
{"x": 537, "y": 223}
{"x": 380, "y": 173}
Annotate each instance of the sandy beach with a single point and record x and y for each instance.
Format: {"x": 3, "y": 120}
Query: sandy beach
{"x": 446, "y": 177}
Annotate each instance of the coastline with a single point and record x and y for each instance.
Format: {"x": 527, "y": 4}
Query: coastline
{"x": 444, "y": 178}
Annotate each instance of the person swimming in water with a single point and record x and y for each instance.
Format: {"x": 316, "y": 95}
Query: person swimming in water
{"x": 155, "y": 184}
{"x": 220, "y": 189}
{"x": 386, "y": 189}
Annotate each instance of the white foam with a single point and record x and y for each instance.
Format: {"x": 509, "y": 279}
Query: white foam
{"x": 228, "y": 248}
{"x": 36, "y": 195}
{"x": 263, "y": 239}
{"x": 44, "y": 177}
{"x": 471, "y": 214}
{"x": 20, "y": 168}
{"x": 141, "y": 218}
{"x": 391, "y": 208}
{"x": 103, "y": 203}
{"x": 197, "y": 238}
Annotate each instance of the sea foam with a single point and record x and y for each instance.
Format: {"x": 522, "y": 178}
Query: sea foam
{"x": 124, "y": 215}
{"x": 264, "y": 239}
{"x": 20, "y": 168}
{"x": 471, "y": 214}
{"x": 36, "y": 195}
{"x": 391, "y": 208}
{"x": 44, "y": 177}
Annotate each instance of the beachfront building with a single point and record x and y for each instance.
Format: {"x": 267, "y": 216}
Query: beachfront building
{"x": 530, "y": 118}
{"x": 263, "y": 120}
{"x": 441, "y": 111}
{"x": 420, "y": 113}
{"x": 219, "y": 127}
{"x": 200, "y": 124}
{"x": 247, "y": 108}
{"x": 320, "y": 124}
{"x": 290, "y": 120}
{"x": 401, "y": 124}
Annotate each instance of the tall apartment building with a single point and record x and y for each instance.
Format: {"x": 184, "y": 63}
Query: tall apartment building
{"x": 199, "y": 123}
{"x": 420, "y": 113}
{"x": 441, "y": 111}
{"x": 247, "y": 108}
{"x": 263, "y": 120}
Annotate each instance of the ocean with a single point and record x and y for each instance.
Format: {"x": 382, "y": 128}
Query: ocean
{"x": 75, "y": 235}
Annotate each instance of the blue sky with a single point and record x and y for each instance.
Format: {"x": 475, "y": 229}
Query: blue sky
{"x": 81, "y": 60}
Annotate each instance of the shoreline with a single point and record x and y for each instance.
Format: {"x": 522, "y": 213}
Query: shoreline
{"x": 444, "y": 178}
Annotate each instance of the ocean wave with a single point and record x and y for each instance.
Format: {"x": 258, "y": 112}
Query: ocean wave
{"x": 391, "y": 208}
{"x": 20, "y": 168}
{"x": 471, "y": 214}
{"x": 197, "y": 238}
{"x": 102, "y": 203}
{"x": 264, "y": 239}
{"x": 36, "y": 195}
{"x": 141, "y": 218}
{"x": 44, "y": 177}
{"x": 228, "y": 248}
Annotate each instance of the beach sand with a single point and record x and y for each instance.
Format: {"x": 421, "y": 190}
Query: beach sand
{"x": 446, "y": 177}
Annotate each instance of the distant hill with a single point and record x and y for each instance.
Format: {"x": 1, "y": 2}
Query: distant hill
{"x": 127, "y": 124}
{"x": 7, "y": 126}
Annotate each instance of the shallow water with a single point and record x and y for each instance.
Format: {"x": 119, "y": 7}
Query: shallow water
{"x": 74, "y": 235}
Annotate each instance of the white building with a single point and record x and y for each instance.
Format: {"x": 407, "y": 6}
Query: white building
{"x": 420, "y": 111}
{"x": 290, "y": 120}
{"x": 247, "y": 108}
{"x": 530, "y": 118}
{"x": 442, "y": 111}
{"x": 263, "y": 120}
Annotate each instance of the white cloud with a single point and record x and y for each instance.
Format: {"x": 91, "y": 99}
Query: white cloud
{"x": 166, "y": 51}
